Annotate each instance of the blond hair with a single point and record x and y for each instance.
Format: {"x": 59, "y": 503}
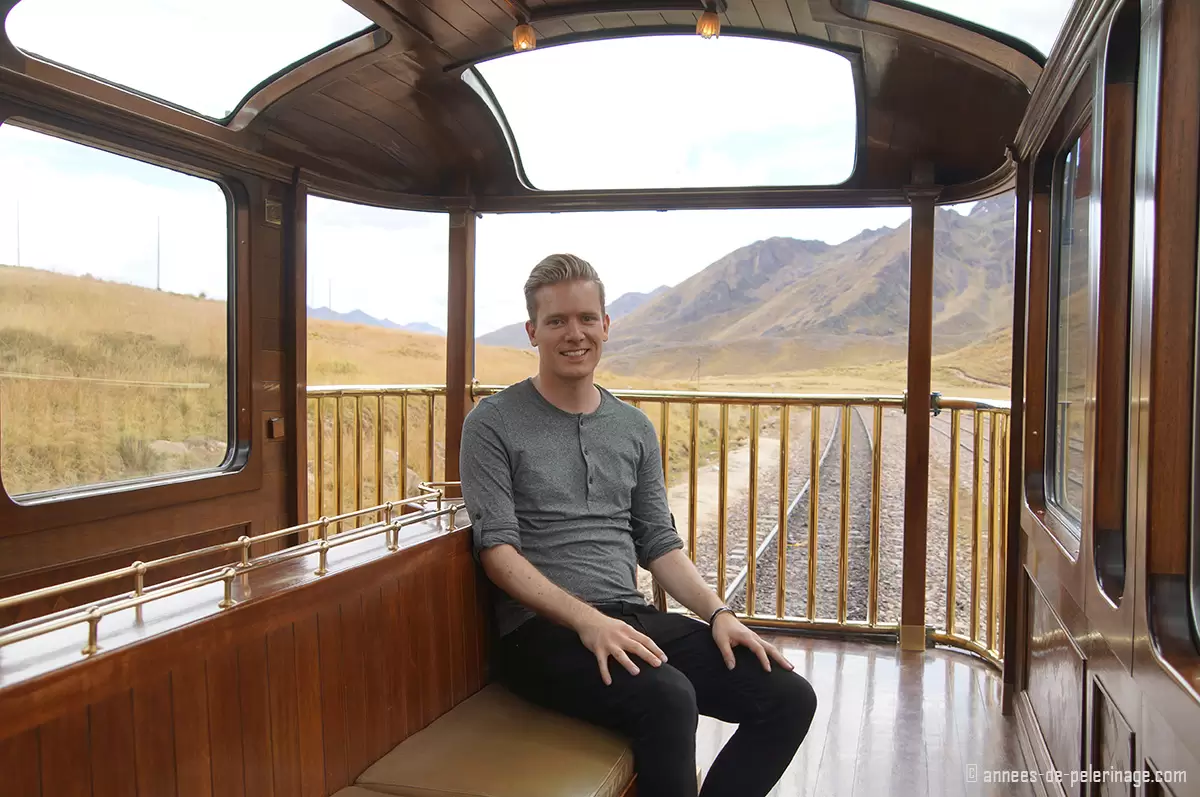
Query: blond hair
{"x": 555, "y": 269}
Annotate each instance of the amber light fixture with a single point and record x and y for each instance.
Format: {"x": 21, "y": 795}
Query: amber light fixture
{"x": 524, "y": 38}
{"x": 709, "y": 25}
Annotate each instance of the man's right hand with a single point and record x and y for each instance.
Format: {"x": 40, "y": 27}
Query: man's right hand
{"x": 607, "y": 636}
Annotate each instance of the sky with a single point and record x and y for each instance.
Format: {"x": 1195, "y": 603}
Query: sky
{"x": 148, "y": 226}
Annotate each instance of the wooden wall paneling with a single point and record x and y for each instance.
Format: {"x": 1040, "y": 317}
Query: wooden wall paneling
{"x": 394, "y": 654}
{"x": 225, "y": 725}
{"x": 433, "y": 576}
{"x": 65, "y": 759}
{"x": 334, "y": 731}
{"x": 190, "y": 720}
{"x": 19, "y": 761}
{"x": 1112, "y": 743}
{"x": 154, "y": 737}
{"x": 283, "y": 696}
{"x": 410, "y": 663}
{"x": 269, "y": 699}
{"x": 376, "y": 681}
{"x": 452, "y": 588}
{"x": 354, "y": 679}
{"x": 112, "y": 746}
{"x": 1055, "y": 682}
{"x": 308, "y": 707}
{"x": 252, "y": 694}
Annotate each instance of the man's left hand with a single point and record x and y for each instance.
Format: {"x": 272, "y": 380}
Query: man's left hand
{"x": 728, "y": 632}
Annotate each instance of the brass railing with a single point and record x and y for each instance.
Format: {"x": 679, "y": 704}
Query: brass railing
{"x": 431, "y": 503}
{"x": 355, "y": 433}
{"x": 824, "y": 507}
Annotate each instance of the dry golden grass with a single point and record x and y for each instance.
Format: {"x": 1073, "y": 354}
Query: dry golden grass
{"x": 87, "y": 427}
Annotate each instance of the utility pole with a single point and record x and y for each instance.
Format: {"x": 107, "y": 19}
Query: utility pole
{"x": 158, "y": 253}
{"x": 18, "y": 232}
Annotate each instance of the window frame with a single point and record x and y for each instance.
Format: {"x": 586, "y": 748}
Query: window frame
{"x": 366, "y": 34}
{"x": 1069, "y": 531}
{"x": 475, "y": 80}
{"x": 241, "y": 470}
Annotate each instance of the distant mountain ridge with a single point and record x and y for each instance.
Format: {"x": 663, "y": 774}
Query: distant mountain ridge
{"x": 786, "y": 304}
{"x": 359, "y": 317}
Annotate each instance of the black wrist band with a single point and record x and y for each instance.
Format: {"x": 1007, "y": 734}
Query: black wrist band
{"x": 718, "y": 611}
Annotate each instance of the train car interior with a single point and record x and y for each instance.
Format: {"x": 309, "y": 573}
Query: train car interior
{"x": 233, "y": 564}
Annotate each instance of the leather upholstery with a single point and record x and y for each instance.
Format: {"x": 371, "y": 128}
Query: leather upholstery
{"x": 495, "y": 744}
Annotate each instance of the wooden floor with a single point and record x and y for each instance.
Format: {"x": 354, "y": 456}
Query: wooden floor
{"x": 892, "y": 723}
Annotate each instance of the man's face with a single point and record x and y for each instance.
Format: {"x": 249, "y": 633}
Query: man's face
{"x": 571, "y": 329}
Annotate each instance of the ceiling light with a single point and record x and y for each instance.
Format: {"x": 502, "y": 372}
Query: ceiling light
{"x": 709, "y": 25}
{"x": 524, "y": 38}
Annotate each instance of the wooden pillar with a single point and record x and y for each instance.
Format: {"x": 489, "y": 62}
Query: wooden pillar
{"x": 460, "y": 332}
{"x": 1016, "y": 440}
{"x": 295, "y": 377}
{"x": 916, "y": 449}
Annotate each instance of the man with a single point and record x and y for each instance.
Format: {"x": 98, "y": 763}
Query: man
{"x": 565, "y": 489}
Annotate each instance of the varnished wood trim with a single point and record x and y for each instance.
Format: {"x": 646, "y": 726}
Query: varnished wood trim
{"x": 1008, "y": 59}
{"x": 294, "y": 79}
{"x": 460, "y": 335}
{"x": 1013, "y": 630}
{"x": 916, "y": 446}
{"x": 1064, "y": 69}
{"x": 295, "y": 291}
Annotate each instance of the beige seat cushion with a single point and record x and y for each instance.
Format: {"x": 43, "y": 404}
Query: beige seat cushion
{"x": 495, "y": 744}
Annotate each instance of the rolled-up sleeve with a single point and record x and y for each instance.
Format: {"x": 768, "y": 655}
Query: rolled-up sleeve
{"x": 654, "y": 532}
{"x": 486, "y": 475}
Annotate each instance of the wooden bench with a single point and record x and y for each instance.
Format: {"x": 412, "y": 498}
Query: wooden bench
{"x": 371, "y": 679}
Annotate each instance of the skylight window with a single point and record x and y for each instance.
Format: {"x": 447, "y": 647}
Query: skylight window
{"x": 1036, "y": 22}
{"x": 204, "y": 56}
{"x": 678, "y": 112}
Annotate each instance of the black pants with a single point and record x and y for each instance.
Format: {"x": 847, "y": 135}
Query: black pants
{"x": 657, "y": 709}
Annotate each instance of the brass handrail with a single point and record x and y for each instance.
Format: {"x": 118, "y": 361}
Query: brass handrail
{"x": 95, "y": 611}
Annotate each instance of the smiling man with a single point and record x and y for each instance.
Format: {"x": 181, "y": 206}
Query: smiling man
{"x": 564, "y": 485}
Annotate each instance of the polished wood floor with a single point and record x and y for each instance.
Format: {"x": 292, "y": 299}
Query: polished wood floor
{"x": 892, "y": 723}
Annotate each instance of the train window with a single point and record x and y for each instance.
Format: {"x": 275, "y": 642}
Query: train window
{"x": 158, "y": 48}
{"x": 1069, "y": 335}
{"x": 641, "y": 117}
{"x": 1036, "y": 22}
{"x": 115, "y": 328}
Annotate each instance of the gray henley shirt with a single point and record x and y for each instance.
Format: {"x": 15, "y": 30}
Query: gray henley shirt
{"x": 580, "y": 495}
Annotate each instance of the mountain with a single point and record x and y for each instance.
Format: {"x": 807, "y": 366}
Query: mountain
{"x": 785, "y": 304}
{"x": 359, "y": 317}
{"x": 514, "y": 336}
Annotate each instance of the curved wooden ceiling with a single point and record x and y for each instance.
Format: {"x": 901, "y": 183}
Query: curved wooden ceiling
{"x": 387, "y": 117}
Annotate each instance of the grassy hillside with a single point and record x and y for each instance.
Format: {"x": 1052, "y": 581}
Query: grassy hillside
{"x": 102, "y": 381}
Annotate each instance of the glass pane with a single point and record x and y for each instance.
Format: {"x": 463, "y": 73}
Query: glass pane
{"x": 1071, "y": 326}
{"x": 204, "y": 56}
{"x": 678, "y": 111}
{"x": 114, "y": 342}
{"x": 1036, "y": 22}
